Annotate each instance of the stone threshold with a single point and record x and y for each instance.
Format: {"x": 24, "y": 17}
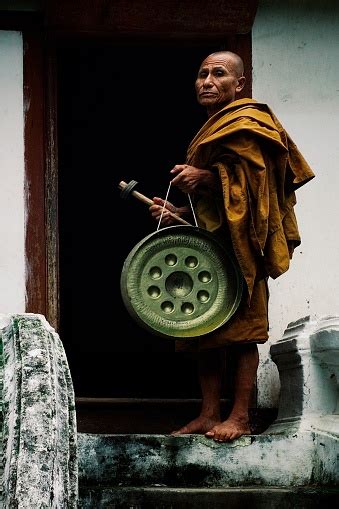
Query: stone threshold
{"x": 149, "y": 416}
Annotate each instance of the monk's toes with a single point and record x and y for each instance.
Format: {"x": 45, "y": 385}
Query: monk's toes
{"x": 181, "y": 431}
{"x": 178, "y": 431}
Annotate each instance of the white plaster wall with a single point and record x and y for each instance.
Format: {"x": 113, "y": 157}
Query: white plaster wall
{"x": 12, "y": 240}
{"x": 296, "y": 71}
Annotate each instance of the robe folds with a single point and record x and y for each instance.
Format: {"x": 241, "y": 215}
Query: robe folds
{"x": 260, "y": 168}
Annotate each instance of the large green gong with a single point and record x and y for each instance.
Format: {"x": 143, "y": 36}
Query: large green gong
{"x": 180, "y": 282}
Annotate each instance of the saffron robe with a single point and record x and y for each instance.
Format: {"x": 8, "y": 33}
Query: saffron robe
{"x": 260, "y": 168}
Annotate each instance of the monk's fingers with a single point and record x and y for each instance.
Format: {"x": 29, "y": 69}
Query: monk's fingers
{"x": 154, "y": 206}
{"x": 178, "y": 168}
{"x": 176, "y": 181}
{"x": 156, "y": 214}
{"x": 181, "y": 184}
{"x": 166, "y": 222}
{"x": 156, "y": 210}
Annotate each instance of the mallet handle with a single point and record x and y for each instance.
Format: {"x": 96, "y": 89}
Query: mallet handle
{"x": 150, "y": 202}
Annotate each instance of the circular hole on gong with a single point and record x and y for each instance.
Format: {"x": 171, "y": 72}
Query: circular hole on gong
{"x": 171, "y": 260}
{"x": 155, "y": 272}
{"x": 203, "y": 296}
{"x": 191, "y": 262}
{"x": 167, "y": 306}
{"x": 204, "y": 276}
{"x": 187, "y": 308}
{"x": 153, "y": 292}
{"x": 179, "y": 284}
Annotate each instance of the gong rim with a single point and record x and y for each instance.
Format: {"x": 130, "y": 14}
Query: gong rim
{"x": 181, "y": 282}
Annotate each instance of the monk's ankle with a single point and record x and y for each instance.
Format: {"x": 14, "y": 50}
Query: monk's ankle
{"x": 213, "y": 416}
{"x": 239, "y": 418}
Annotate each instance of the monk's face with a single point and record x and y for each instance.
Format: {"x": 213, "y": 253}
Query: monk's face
{"x": 218, "y": 82}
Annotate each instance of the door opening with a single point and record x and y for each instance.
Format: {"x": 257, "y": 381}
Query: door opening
{"x": 124, "y": 112}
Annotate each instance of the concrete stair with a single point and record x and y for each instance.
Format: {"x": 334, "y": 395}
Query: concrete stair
{"x": 162, "y": 471}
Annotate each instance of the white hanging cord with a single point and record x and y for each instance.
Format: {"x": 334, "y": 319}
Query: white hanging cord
{"x": 164, "y": 206}
{"x": 194, "y": 217}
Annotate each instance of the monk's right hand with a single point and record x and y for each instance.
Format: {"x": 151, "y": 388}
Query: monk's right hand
{"x": 156, "y": 210}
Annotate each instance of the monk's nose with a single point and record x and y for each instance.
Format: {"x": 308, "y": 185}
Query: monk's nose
{"x": 208, "y": 82}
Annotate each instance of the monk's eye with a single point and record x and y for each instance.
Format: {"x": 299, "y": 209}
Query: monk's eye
{"x": 219, "y": 73}
{"x": 202, "y": 74}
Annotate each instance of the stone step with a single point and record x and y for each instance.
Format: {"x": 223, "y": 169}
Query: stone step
{"x": 211, "y": 498}
{"x": 194, "y": 461}
{"x": 190, "y": 471}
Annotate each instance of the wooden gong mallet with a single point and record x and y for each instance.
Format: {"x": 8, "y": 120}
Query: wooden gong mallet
{"x": 128, "y": 189}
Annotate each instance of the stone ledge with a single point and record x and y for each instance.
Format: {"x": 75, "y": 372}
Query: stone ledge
{"x": 301, "y": 459}
{"x": 213, "y": 498}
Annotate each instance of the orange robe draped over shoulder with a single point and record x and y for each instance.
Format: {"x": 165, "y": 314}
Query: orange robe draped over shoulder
{"x": 260, "y": 168}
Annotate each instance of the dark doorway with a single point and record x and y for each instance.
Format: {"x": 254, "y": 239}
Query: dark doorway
{"x": 124, "y": 112}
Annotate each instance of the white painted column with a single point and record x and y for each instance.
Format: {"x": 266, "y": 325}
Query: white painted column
{"x": 296, "y": 72}
{"x": 12, "y": 215}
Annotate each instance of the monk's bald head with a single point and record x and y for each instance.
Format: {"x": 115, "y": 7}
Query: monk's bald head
{"x": 233, "y": 61}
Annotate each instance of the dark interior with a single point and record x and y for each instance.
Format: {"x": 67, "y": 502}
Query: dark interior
{"x": 125, "y": 111}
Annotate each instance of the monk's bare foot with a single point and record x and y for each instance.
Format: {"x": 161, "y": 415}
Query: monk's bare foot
{"x": 229, "y": 430}
{"x": 200, "y": 425}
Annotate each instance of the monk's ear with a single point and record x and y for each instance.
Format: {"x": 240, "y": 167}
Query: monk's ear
{"x": 241, "y": 84}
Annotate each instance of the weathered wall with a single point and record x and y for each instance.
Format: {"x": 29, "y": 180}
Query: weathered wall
{"x": 12, "y": 263}
{"x": 296, "y": 71}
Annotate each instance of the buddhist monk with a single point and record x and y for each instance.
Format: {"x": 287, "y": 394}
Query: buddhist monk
{"x": 242, "y": 171}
